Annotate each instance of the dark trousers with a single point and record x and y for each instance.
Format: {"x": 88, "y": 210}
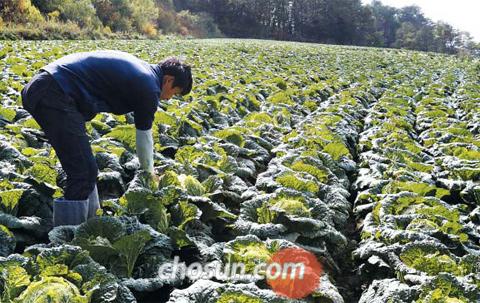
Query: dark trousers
{"x": 64, "y": 126}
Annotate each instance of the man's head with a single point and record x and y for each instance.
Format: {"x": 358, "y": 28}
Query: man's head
{"x": 177, "y": 78}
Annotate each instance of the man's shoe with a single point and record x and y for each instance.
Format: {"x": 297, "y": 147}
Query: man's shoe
{"x": 93, "y": 202}
{"x": 69, "y": 212}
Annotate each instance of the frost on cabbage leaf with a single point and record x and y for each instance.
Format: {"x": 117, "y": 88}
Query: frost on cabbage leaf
{"x": 205, "y": 291}
{"x": 7, "y": 241}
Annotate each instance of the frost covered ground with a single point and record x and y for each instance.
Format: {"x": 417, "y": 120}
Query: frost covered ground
{"x": 368, "y": 158}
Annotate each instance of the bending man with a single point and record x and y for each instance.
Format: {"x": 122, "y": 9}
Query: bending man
{"x": 73, "y": 90}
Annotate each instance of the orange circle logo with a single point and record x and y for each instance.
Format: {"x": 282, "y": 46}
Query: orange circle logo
{"x": 294, "y": 273}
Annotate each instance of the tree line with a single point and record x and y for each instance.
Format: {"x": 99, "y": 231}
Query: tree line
{"x": 84, "y": 19}
{"x": 347, "y": 22}
{"x": 333, "y": 21}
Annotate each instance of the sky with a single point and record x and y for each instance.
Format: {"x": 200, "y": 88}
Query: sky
{"x": 461, "y": 14}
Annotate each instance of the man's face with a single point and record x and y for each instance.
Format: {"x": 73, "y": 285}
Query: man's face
{"x": 168, "y": 91}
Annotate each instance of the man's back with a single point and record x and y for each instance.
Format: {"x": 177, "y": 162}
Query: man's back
{"x": 110, "y": 81}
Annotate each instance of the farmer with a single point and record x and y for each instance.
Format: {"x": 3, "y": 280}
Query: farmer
{"x": 73, "y": 89}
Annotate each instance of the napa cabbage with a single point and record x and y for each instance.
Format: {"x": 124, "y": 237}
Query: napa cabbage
{"x": 248, "y": 250}
{"x": 291, "y": 180}
{"x": 117, "y": 243}
{"x": 51, "y": 289}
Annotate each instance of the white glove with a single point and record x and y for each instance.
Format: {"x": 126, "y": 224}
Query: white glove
{"x": 144, "y": 142}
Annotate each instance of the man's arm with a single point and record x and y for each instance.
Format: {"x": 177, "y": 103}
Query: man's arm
{"x": 144, "y": 116}
{"x": 144, "y": 143}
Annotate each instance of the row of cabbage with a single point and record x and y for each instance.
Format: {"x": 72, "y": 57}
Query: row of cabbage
{"x": 418, "y": 185}
{"x": 301, "y": 200}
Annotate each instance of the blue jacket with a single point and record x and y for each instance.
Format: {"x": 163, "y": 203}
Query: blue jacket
{"x": 110, "y": 81}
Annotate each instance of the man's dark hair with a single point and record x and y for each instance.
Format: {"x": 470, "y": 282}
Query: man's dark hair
{"x": 181, "y": 71}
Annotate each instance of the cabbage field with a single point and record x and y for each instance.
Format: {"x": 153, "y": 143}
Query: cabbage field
{"x": 368, "y": 158}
